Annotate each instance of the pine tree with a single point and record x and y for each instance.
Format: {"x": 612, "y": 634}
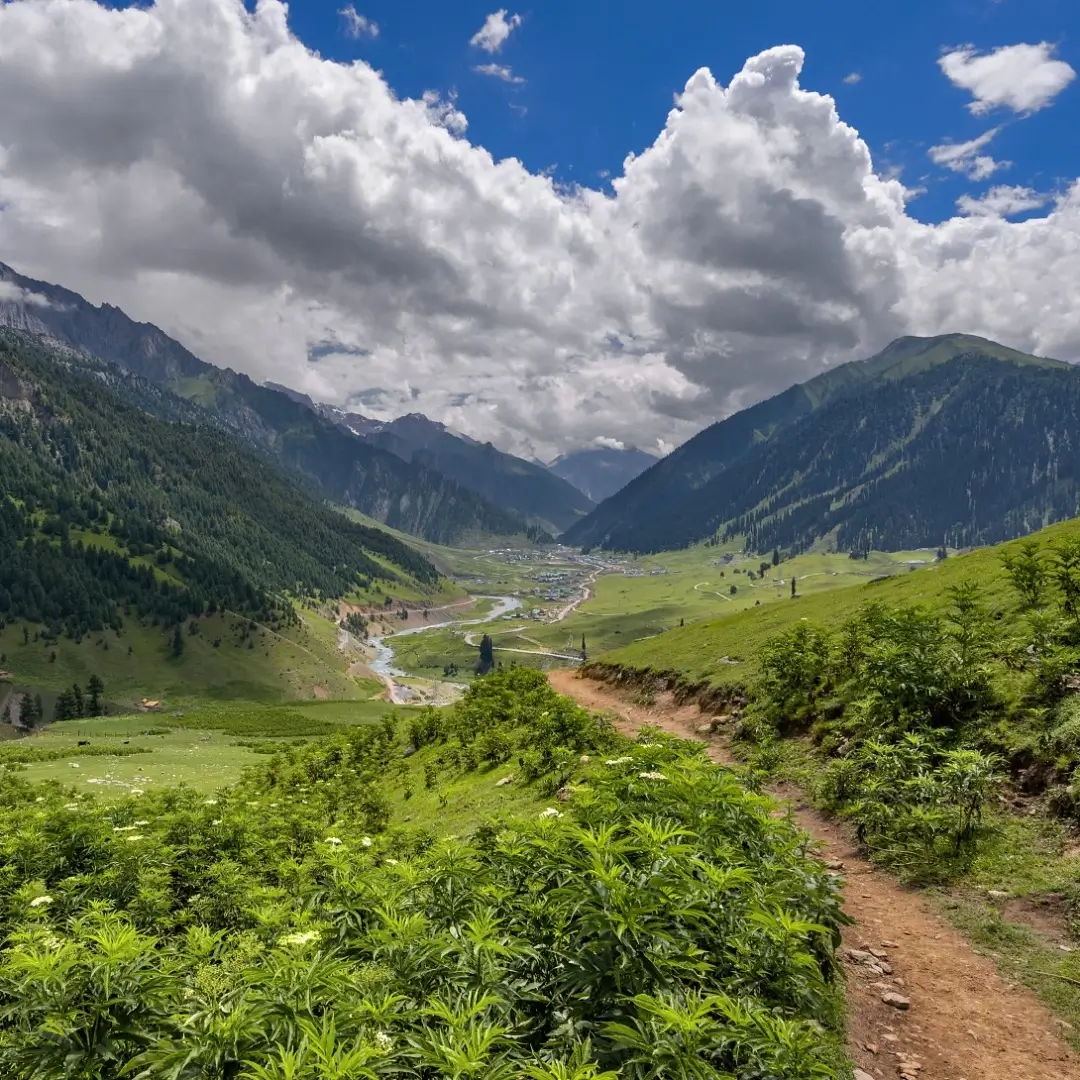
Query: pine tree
{"x": 64, "y": 709}
{"x": 95, "y": 688}
{"x": 487, "y": 655}
{"x": 177, "y": 641}
{"x": 79, "y": 700}
{"x": 793, "y": 587}
{"x": 776, "y": 556}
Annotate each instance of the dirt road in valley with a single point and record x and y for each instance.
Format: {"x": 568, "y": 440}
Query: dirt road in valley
{"x": 964, "y": 1021}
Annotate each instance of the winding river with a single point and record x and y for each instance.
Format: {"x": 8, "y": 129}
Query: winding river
{"x": 383, "y": 664}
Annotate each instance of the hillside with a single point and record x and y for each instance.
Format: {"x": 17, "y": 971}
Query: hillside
{"x": 537, "y": 496}
{"x": 600, "y": 472}
{"x": 951, "y": 440}
{"x": 106, "y": 509}
{"x": 345, "y": 910}
{"x": 410, "y": 496}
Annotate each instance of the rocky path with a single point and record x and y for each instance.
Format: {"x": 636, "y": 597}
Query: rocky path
{"x": 922, "y": 1004}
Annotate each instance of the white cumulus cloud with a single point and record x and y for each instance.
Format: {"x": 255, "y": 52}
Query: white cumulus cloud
{"x": 1023, "y": 78}
{"x": 966, "y": 158}
{"x": 496, "y": 29}
{"x": 357, "y": 25}
{"x": 194, "y": 163}
{"x": 1001, "y": 201}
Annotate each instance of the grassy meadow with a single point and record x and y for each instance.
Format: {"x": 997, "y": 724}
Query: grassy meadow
{"x": 697, "y": 651}
{"x": 247, "y": 665}
{"x": 695, "y": 587}
{"x": 205, "y": 747}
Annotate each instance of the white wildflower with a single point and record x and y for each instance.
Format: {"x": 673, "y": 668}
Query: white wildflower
{"x": 40, "y": 798}
{"x": 383, "y": 1042}
{"x": 304, "y": 937}
{"x": 550, "y": 812}
{"x": 71, "y": 806}
{"x": 40, "y": 901}
{"x": 136, "y": 791}
{"x": 391, "y": 862}
{"x": 142, "y": 823}
{"x": 134, "y": 836}
{"x": 335, "y": 840}
{"x": 209, "y": 802}
{"x": 652, "y": 776}
{"x": 366, "y": 841}
{"x": 216, "y": 821}
{"x": 619, "y": 761}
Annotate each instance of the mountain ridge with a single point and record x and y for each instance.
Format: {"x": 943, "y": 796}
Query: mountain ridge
{"x": 410, "y": 496}
{"x": 599, "y": 471}
{"x": 527, "y": 489}
{"x": 105, "y": 506}
{"x": 779, "y": 473}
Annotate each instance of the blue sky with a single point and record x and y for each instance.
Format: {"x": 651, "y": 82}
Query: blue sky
{"x": 600, "y": 75}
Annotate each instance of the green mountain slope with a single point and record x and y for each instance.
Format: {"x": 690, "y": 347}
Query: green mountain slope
{"x": 528, "y": 490}
{"x": 410, "y": 496}
{"x": 943, "y": 440}
{"x": 106, "y": 509}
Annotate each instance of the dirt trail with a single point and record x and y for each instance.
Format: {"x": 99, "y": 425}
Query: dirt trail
{"x": 964, "y": 1022}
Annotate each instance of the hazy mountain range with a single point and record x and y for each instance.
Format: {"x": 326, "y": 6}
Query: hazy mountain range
{"x": 600, "y": 472}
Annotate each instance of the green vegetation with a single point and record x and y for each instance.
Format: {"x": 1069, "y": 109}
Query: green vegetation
{"x": 901, "y": 450}
{"x": 658, "y": 922}
{"x": 929, "y": 710}
{"x": 198, "y": 523}
{"x": 206, "y": 747}
{"x": 528, "y": 490}
{"x": 724, "y": 653}
{"x": 227, "y": 658}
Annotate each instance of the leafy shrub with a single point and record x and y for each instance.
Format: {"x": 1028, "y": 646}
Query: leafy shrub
{"x": 917, "y": 805}
{"x": 28, "y": 755}
{"x": 659, "y": 924}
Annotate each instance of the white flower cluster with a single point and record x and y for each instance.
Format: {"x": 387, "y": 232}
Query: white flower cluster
{"x": 366, "y": 841}
{"x": 40, "y": 901}
{"x": 334, "y": 840}
{"x": 550, "y": 812}
{"x": 619, "y": 761}
{"x": 652, "y": 776}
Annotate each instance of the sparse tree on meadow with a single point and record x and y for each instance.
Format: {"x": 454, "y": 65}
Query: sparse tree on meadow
{"x": 95, "y": 688}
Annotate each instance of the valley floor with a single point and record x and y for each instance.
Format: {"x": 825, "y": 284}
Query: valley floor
{"x": 965, "y": 1022}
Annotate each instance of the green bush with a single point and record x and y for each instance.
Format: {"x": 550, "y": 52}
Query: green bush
{"x": 659, "y": 924}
